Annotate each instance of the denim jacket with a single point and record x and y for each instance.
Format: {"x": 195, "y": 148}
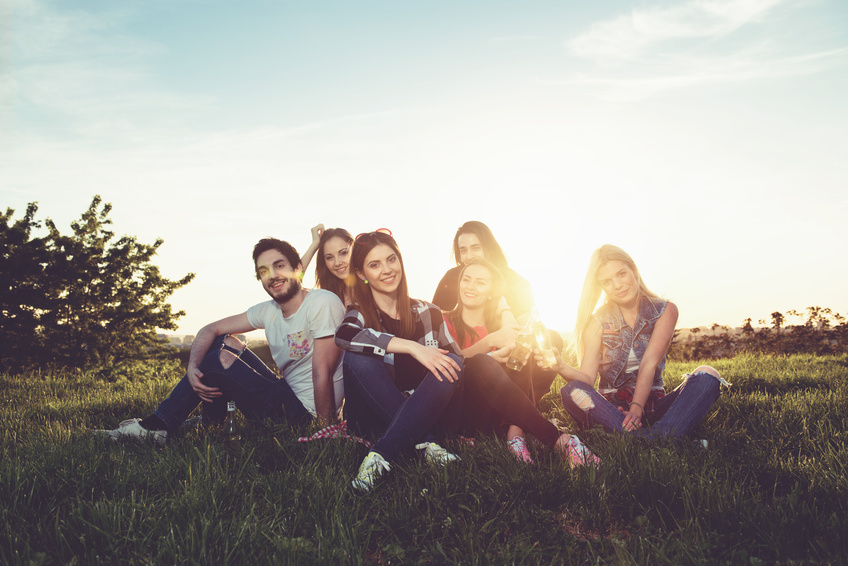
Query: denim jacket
{"x": 618, "y": 337}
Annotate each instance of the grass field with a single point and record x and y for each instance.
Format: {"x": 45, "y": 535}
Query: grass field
{"x": 771, "y": 487}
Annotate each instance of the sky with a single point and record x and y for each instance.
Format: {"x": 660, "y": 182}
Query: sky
{"x": 706, "y": 138}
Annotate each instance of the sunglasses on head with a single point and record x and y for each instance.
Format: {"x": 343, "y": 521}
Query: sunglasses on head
{"x": 366, "y": 237}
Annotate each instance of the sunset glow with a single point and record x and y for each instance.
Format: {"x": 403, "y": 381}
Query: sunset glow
{"x": 706, "y": 139}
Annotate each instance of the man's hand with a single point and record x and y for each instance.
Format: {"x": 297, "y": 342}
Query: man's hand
{"x": 207, "y": 394}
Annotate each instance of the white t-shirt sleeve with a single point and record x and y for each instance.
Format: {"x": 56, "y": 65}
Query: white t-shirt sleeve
{"x": 325, "y": 314}
{"x": 257, "y": 315}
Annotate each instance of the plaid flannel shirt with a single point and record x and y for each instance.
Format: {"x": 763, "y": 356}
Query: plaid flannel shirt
{"x": 431, "y": 331}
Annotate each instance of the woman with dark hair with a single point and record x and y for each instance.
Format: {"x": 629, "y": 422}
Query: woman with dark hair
{"x": 625, "y": 340}
{"x": 474, "y": 240}
{"x": 332, "y": 272}
{"x": 491, "y": 401}
{"x": 401, "y": 366}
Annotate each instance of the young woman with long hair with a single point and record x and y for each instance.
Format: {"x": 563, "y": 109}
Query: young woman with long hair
{"x": 401, "y": 366}
{"x": 475, "y": 240}
{"x": 491, "y": 399}
{"x": 332, "y": 272}
{"x": 625, "y": 341}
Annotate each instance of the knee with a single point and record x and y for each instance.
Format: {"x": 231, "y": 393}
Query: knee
{"x": 228, "y": 357}
{"x": 579, "y": 394}
{"x": 704, "y": 378}
{"x": 481, "y": 364}
{"x": 707, "y": 369}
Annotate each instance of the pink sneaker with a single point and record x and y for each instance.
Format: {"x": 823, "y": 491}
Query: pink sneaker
{"x": 518, "y": 447}
{"x": 578, "y": 455}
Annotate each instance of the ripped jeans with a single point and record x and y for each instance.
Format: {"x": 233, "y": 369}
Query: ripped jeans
{"x": 255, "y": 388}
{"x": 674, "y": 415}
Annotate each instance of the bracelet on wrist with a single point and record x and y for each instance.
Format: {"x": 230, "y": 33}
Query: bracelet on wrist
{"x": 640, "y": 405}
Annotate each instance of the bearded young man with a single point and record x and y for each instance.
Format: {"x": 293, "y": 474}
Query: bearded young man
{"x": 299, "y": 325}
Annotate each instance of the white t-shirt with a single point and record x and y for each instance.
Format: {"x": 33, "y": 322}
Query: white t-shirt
{"x": 291, "y": 340}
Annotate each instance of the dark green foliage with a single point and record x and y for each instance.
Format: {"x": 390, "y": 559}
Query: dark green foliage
{"x": 772, "y": 487}
{"x": 83, "y": 299}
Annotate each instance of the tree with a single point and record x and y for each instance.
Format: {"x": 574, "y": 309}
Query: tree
{"x": 22, "y": 280}
{"x": 777, "y": 320}
{"x": 103, "y": 299}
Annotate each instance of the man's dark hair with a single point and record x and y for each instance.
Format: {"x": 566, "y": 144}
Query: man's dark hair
{"x": 284, "y": 248}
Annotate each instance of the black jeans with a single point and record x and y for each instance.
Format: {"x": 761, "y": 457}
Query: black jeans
{"x": 490, "y": 397}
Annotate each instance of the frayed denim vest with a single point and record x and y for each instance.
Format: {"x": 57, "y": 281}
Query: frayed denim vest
{"x": 618, "y": 337}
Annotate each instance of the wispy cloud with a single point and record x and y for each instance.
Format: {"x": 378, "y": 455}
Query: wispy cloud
{"x": 657, "y": 49}
{"x": 629, "y": 36}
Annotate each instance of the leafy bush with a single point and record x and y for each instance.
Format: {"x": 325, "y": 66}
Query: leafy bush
{"x": 80, "y": 300}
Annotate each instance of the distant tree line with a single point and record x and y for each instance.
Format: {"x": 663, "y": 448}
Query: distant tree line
{"x": 83, "y": 299}
{"x": 818, "y": 331}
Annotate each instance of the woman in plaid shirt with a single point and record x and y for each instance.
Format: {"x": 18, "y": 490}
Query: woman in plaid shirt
{"x": 401, "y": 366}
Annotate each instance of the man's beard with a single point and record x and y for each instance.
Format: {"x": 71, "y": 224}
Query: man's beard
{"x": 294, "y": 289}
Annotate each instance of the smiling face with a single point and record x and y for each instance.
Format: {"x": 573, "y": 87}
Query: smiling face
{"x": 619, "y": 282}
{"x": 469, "y": 247}
{"x": 279, "y": 278}
{"x": 475, "y": 286}
{"x": 337, "y": 257}
{"x": 382, "y": 269}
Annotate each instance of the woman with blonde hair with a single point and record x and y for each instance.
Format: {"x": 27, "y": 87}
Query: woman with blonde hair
{"x": 625, "y": 341}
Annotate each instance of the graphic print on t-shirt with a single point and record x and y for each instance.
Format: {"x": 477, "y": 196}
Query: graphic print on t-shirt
{"x": 298, "y": 345}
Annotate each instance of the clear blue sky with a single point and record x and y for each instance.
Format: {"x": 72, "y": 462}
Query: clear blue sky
{"x": 706, "y": 138}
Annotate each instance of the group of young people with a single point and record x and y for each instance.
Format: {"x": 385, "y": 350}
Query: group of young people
{"x": 409, "y": 373}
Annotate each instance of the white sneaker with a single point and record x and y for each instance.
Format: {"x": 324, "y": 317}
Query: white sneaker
{"x": 435, "y": 454}
{"x": 370, "y": 470}
{"x": 131, "y": 428}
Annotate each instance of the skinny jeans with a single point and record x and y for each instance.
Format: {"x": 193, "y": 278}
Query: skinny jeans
{"x": 491, "y": 397}
{"x": 375, "y": 407}
{"x": 674, "y": 415}
{"x": 255, "y": 388}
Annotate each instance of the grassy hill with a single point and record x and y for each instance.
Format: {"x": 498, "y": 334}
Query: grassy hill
{"x": 772, "y": 486}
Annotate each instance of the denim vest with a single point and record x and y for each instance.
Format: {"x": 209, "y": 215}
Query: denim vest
{"x": 618, "y": 337}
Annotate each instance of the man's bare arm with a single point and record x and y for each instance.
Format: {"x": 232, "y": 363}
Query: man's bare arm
{"x": 325, "y": 357}
{"x": 235, "y": 324}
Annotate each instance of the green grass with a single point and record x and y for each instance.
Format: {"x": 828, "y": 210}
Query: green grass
{"x": 771, "y": 487}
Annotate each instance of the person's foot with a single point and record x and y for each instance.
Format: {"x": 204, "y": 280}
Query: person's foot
{"x": 576, "y": 454}
{"x": 518, "y": 448}
{"x": 131, "y": 428}
{"x": 370, "y": 470}
{"x": 435, "y": 454}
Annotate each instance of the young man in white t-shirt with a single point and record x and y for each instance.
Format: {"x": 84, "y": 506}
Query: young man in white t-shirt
{"x": 299, "y": 324}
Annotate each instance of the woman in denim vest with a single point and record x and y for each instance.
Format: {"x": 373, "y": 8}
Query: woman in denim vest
{"x": 626, "y": 340}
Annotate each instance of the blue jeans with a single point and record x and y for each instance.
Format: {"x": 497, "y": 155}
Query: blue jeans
{"x": 374, "y": 406}
{"x": 674, "y": 415}
{"x": 256, "y": 390}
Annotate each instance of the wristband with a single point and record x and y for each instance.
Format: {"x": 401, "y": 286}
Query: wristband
{"x": 640, "y": 405}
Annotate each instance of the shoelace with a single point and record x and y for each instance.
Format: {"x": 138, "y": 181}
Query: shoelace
{"x": 372, "y": 462}
{"x": 436, "y": 453}
{"x": 519, "y": 449}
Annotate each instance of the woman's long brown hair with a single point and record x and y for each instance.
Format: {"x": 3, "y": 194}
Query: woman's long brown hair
{"x": 362, "y": 294}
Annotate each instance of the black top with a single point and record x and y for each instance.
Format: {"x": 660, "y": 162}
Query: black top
{"x": 518, "y": 292}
